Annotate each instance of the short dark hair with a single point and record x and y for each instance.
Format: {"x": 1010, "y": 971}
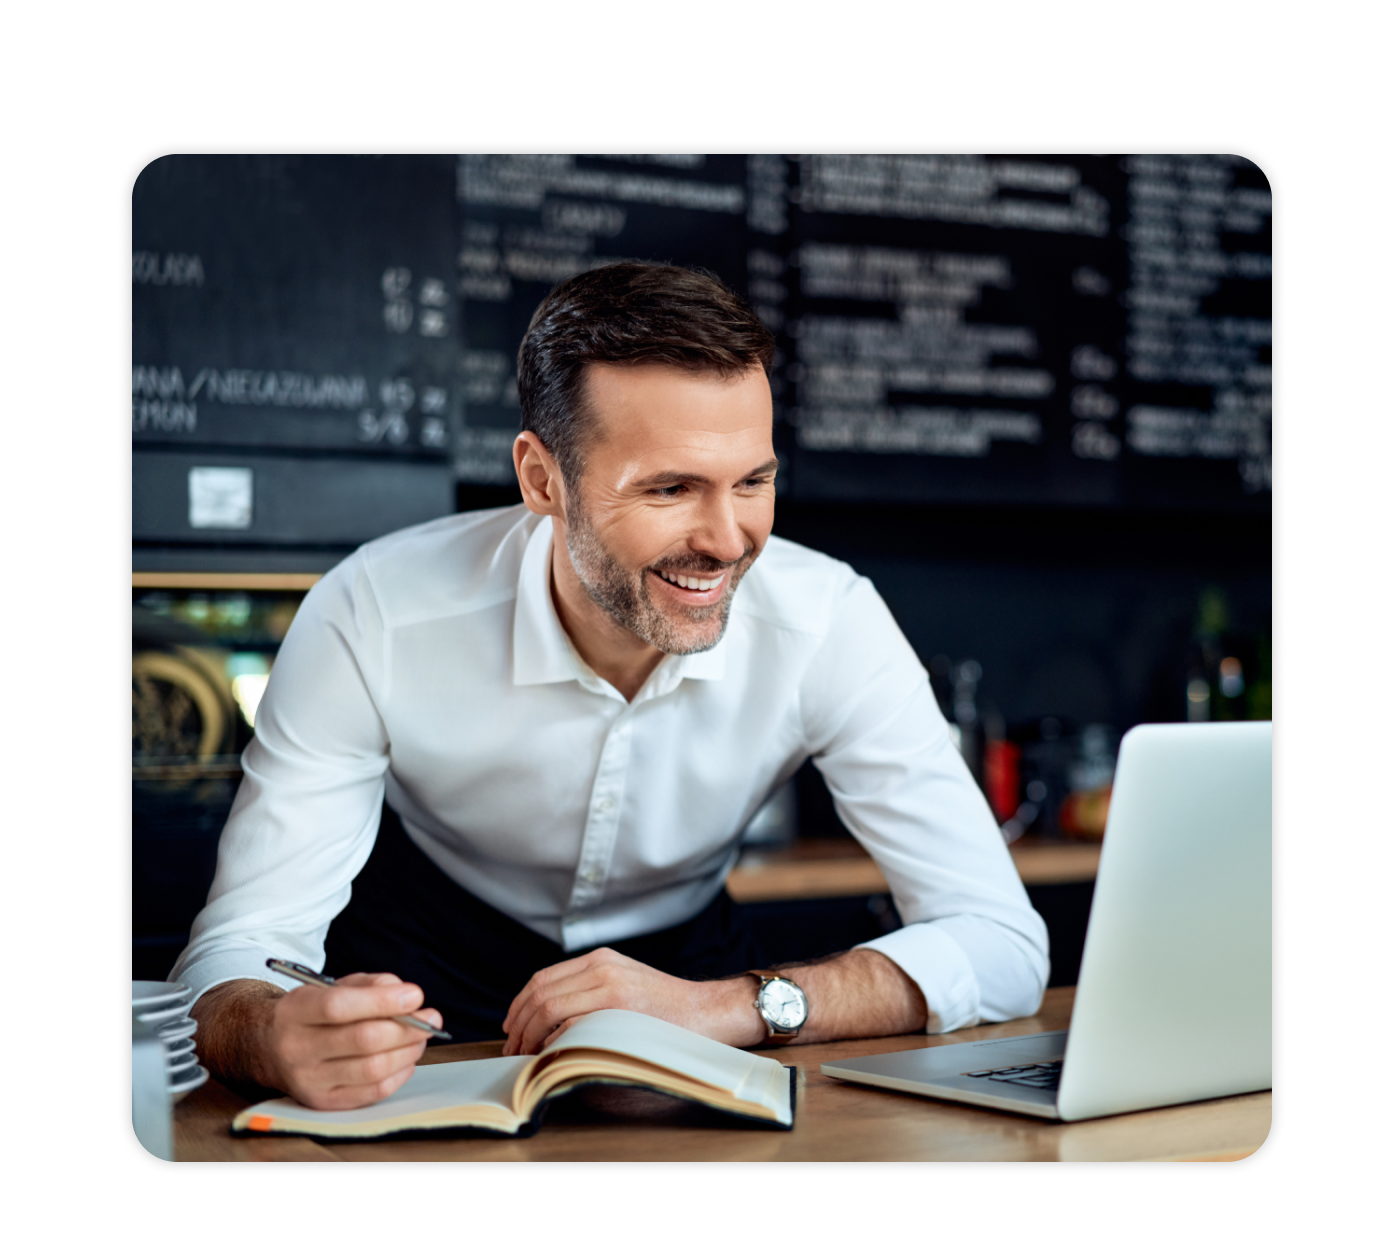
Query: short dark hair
{"x": 627, "y": 313}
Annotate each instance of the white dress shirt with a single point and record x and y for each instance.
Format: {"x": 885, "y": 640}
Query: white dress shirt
{"x": 430, "y": 668}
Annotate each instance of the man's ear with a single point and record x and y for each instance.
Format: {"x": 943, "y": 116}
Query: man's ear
{"x": 541, "y": 480}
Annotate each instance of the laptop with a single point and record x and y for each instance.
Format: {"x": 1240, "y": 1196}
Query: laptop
{"x": 1175, "y": 999}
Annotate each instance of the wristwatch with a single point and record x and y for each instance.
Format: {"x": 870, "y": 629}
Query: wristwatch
{"x": 782, "y": 1006}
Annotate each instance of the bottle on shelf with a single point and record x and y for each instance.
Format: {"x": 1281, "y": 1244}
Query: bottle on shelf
{"x": 1228, "y": 672}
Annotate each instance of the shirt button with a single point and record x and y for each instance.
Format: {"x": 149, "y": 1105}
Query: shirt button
{"x": 605, "y": 805}
{"x": 592, "y": 874}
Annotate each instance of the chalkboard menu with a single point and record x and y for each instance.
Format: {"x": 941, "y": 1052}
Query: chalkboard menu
{"x": 1036, "y": 330}
{"x": 294, "y": 323}
{"x": 1039, "y": 330}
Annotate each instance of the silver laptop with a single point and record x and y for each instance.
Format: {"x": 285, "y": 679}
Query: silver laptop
{"x": 1175, "y": 989}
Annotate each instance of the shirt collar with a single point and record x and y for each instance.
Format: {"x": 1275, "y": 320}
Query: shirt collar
{"x": 544, "y": 653}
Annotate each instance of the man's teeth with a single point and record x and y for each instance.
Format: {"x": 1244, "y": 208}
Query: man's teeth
{"x": 692, "y": 583}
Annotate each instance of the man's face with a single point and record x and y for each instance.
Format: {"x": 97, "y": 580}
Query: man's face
{"x": 675, "y": 501}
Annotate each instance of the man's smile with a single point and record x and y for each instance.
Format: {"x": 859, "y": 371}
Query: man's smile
{"x": 691, "y": 589}
{"x": 691, "y": 583}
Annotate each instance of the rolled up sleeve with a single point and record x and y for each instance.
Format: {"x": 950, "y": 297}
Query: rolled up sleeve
{"x": 970, "y": 939}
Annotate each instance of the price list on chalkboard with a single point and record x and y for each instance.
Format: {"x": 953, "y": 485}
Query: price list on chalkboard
{"x": 1038, "y": 330}
{"x": 295, "y": 344}
{"x": 294, "y": 302}
{"x": 975, "y": 329}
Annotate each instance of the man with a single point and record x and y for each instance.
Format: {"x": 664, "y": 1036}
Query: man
{"x": 566, "y": 712}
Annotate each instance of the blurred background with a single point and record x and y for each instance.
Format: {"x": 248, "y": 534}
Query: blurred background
{"x": 1028, "y": 397}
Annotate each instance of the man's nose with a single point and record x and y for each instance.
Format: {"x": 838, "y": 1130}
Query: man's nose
{"x": 717, "y": 531}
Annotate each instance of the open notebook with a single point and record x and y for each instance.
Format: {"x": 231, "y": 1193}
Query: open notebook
{"x": 507, "y": 1096}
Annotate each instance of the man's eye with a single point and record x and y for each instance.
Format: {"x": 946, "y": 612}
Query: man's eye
{"x": 669, "y": 492}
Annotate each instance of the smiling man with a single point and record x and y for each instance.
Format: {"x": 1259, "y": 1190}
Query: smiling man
{"x": 531, "y": 739}
{"x": 678, "y": 505}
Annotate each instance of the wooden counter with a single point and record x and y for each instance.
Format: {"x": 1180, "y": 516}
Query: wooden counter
{"x": 840, "y": 867}
{"x": 835, "y": 1121}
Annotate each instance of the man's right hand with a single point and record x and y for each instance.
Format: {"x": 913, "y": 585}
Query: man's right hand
{"x": 332, "y": 1049}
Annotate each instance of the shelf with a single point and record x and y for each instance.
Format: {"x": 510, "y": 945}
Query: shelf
{"x": 840, "y": 868}
{"x": 1042, "y": 862}
{"x": 224, "y": 581}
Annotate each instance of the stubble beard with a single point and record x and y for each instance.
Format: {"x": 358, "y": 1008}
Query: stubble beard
{"x": 625, "y": 596}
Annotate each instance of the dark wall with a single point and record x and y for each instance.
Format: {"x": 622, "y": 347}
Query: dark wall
{"x": 1088, "y": 616}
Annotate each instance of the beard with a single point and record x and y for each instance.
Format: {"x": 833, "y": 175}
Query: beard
{"x": 625, "y": 595}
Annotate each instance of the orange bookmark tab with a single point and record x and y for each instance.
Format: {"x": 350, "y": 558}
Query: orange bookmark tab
{"x": 260, "y": 1123}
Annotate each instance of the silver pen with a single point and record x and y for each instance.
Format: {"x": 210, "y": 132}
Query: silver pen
{"x": 309, "y": 976}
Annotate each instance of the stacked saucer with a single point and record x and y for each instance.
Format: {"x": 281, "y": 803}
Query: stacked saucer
{"x": 165, "y": 1006}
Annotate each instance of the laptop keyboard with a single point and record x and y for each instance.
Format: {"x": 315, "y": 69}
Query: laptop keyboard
{"x": 1036, "y": 1075}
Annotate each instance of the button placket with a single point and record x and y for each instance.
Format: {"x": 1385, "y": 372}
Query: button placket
{"x": 604, "y": 815}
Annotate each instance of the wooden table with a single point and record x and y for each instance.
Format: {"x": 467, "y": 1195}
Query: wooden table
{"x": 835, "y": 1121}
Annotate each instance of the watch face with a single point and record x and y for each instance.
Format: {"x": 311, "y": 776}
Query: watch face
{"x": 783, "y": 1004}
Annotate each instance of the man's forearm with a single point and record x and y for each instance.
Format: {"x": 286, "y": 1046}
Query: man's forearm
{"x": 333, "y": 1048}
{"x": 234, "y": 1021}
{"x": 860, "y": 993}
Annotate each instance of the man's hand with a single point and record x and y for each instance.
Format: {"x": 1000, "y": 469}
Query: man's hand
{"x": 860, "y": 993}
{"x": 556, "y": 996}
{"x": 332, "y": 1049}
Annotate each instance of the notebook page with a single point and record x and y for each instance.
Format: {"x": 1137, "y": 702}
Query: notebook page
{"x": 666, "y": 1045}
{"x": 469, "y": 1082}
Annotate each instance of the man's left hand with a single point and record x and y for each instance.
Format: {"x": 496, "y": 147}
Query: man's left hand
{"x": 558, "y": 995}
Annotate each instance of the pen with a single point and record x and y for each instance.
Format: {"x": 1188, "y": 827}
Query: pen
{"x": 309, "y": 976}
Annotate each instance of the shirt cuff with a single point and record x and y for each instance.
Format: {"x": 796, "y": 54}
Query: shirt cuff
{"x": 935, "y": 962}
{"x": 205, "y": 972}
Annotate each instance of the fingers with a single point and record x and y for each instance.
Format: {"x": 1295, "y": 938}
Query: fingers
{"x": 558, "y": 1033}
{"x": 339, "y": 1047}
{"x": 541, "y": 988}
{"x": 406, "y": 994}
{"x": 347, "y": 1098}
{"x": 370, "y": 1069}
{"x": 346, "y": 1084}
{"x": 428, "y": 1015}
{"x": 557, "y": 994}
{"x": 362, "y": 1037}
{"x": 546, "y": 977}
{"x": 352, "y": 999}
{"x": 369, "y": 978}
{"x": 541, "y": 1024}
{"x": 557, "y": 973}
